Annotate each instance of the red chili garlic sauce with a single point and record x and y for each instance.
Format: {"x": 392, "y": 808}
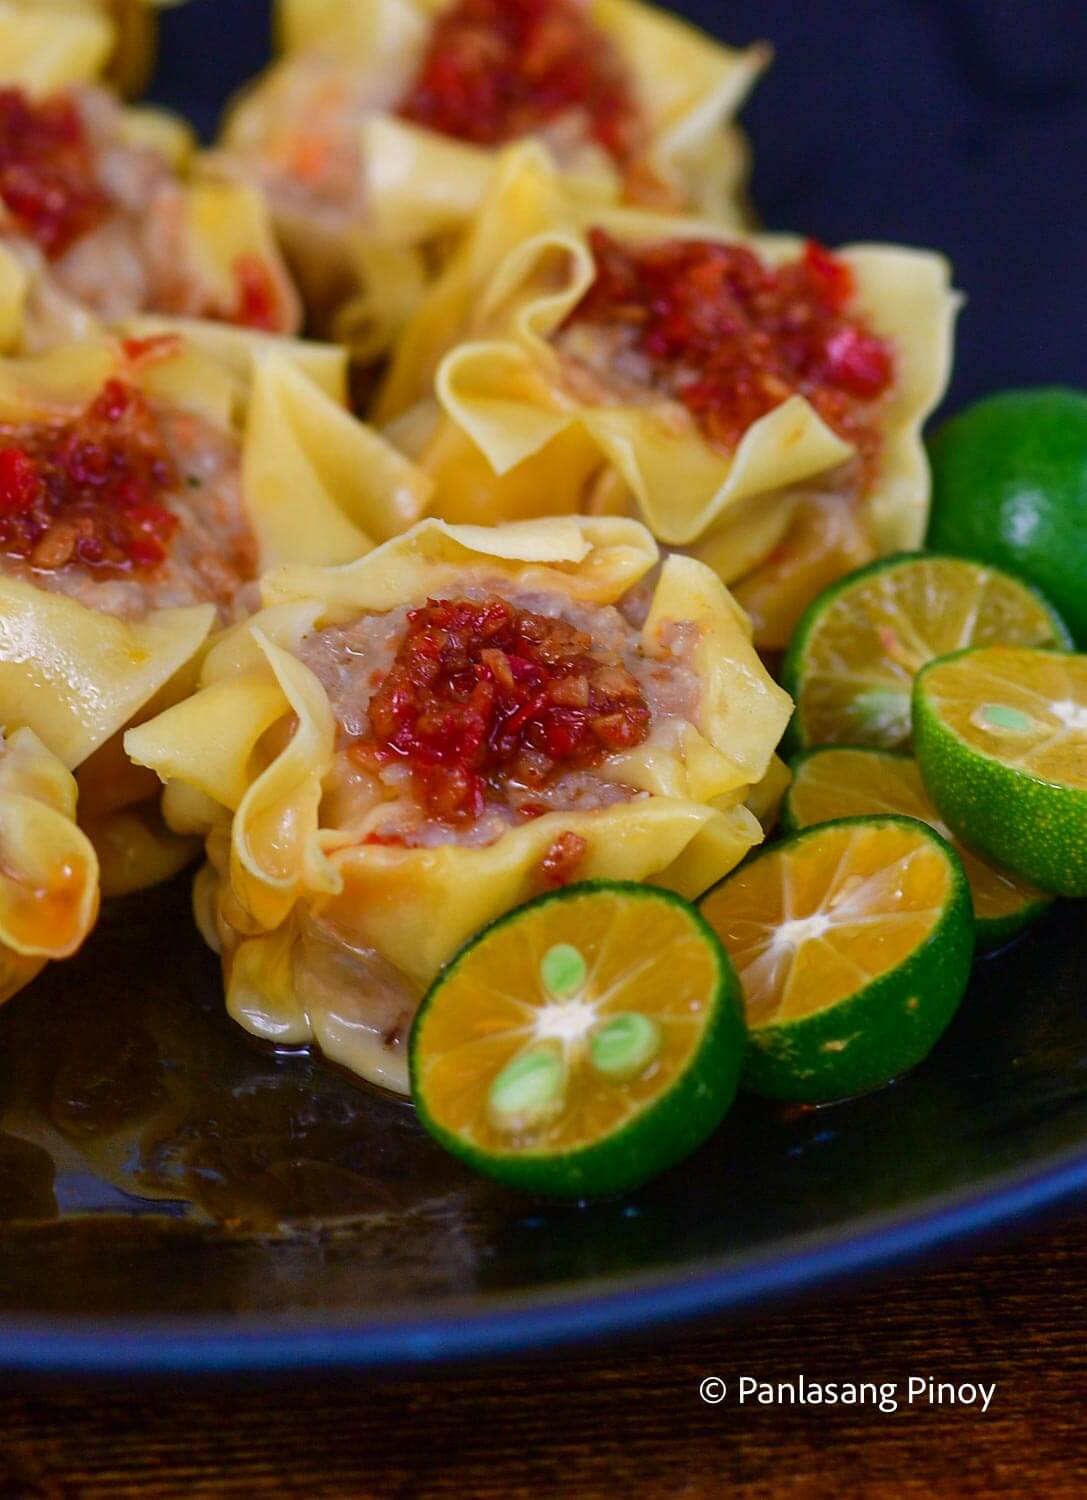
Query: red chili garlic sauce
{"x": 499, "y": 70}
{"x": 728, "y": 338}
{"x": 107, "y": 216}
{"x": 127, "y": 507}
{"x": 471, "y": 714}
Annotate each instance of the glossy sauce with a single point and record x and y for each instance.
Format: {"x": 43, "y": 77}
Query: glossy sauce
{"x": 88, "y": 491}
{"x": 124, "y": 1086}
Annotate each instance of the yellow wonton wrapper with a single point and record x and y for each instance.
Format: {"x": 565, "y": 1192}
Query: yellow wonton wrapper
{"x": 317, "y": 486}
{"x": 417, "y": 188}
{"x": 279, "y": 875}
{"x": 48, "y": 867}
{"x": 510, "y": 436}
{"x": 49, "y": 44}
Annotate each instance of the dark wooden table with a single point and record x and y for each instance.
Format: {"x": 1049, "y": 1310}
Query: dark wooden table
{"x": 627, "y": 1423}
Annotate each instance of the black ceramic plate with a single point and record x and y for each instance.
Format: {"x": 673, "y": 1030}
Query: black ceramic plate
{"x": 174, "y": 1199}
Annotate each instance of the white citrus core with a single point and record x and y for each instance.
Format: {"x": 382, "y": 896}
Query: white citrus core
{"x": 568, "y": 1021}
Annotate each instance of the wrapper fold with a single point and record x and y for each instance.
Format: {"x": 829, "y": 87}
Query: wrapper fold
{"x": 48, "y": 867}
{"x": 50, "y": 44}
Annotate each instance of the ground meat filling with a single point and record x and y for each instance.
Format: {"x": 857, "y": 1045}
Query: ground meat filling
{"x": 498, "y": 70}
{"x": 465, "y": 716}
{"x": 729, "y": 338}
{"x": 106, "y": 215}
{"x": 124, "y": 507}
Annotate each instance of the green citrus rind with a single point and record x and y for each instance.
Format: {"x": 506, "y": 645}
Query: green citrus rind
{"x": 1036, "y": 829}
{"x": 794, "y": 666}
{"x": 1009, "y": 486}
{"x": 672, "y": 1126}
{"x": 885, "y": 1028}
{"x": 993, "y": 933}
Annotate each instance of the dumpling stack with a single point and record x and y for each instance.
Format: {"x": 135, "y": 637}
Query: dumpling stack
{"x": 403, "y": 663}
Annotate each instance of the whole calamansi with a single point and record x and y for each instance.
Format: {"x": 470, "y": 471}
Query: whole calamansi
{"x": 1010, "y": 488}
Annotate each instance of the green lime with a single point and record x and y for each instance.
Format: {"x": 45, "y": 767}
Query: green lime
{"x": 851, "y": 781}
{"x": 582, "y": 1043}
{"x": 853, "y": 942}
{"x": 852, "y": 662}
{"x": 1010, "y": 487}
{"x": 1001, "y": 739}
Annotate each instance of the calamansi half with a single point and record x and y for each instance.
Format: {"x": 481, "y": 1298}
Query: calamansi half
{"x": 582, "y": 1043}
{"x": 1001, "y": 739}
{"x": 853, "y": 944}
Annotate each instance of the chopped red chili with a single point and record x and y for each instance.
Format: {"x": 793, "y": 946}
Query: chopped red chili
{"x": 47, "y": 181}
{"x": 152, "y": 349}
{"x": 731, "y": 338}
{"x": 258, "y": 303}
{"x": 497, "y": 70}
{"x": 563, "y": 859}
{"x": 484, "y": 697}
{"x": 88, "y": 490}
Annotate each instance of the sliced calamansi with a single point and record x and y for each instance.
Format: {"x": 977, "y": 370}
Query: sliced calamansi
{"x": 1001, "y": 739}
{"x": 853, "y": 942}
{"x": 858, "y": 648}
{"x": 582, "y": 1043}
{"x": 850, "y": 781}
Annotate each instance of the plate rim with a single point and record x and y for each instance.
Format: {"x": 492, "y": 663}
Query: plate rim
{"x": 430, "y": 1336}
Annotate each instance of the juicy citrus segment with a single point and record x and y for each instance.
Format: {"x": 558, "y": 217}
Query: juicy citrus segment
{"x": 1027, "y": 709}
{"x": 512, "y": 1014}
{"x": 857, "y": 651}
{"x": 847, "y": 781}
{"x": 827, "y": 916}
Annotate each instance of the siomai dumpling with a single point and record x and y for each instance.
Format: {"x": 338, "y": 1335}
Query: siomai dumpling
{"x": 101, "y": 220}
{"x": 393, "y": 753}
{"x": 757, "y": 400}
